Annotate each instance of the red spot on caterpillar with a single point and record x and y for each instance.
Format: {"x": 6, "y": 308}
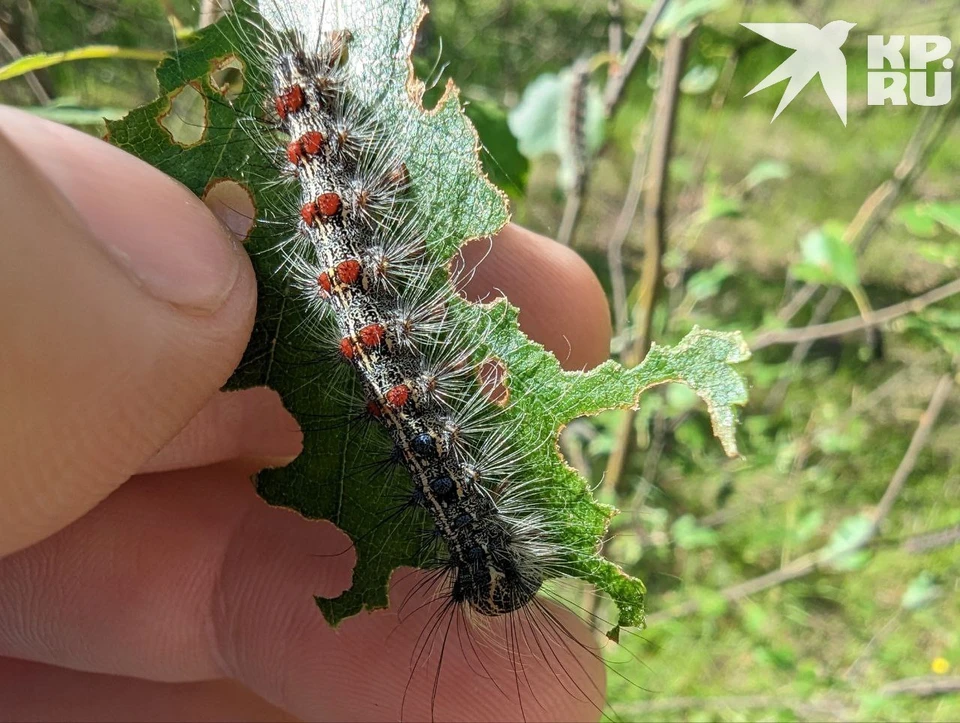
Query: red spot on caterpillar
{"x": 398, "y": 396}
{"x": 324, "y": 282}
{"x": 312, "y": 142}
{"x": 348, "y": 271}
{"x": 373, "y": 409}
{"x": 289, "y": 101}
{"x": 328, "y": 204}
{"x": 346, "y": 347}
{"x": 309, "y": 213}
{"x": 294, "y": 152}
{"x": 309, "y": 144}
{"x": 372, "y": 334}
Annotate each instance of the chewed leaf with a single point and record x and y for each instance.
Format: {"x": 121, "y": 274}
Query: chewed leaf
{"x": 222, "y": 150}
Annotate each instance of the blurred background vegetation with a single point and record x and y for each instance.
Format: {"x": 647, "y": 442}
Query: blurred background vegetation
{"x": 816, "y": 577}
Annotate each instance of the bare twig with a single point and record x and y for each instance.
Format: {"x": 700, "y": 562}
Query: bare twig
{"x": 917, "y": 443}
{"x": 933, "y": 540}
{"x": 813, "y": 561}
{"x": 628, "y": 212}
{"x": 615, "y": 33}
{"x": 617, "y": 81}
{"x": 923, "y": 686}
{"x": 654, "y": 241}
{"x": 847, "y": 326}
{"x": 33, "y": 82}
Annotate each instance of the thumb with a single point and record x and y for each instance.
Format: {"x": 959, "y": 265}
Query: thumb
{"x": 124, "y": 306}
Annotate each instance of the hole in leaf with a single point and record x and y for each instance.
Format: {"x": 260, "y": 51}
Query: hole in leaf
{"x": 227, "y": 77}
{"x": 186, "y": 119}
{"x": 493, "y": 374}
{"x": 233, "y": 204}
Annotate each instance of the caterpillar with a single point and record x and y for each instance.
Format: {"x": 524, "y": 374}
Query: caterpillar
{"x": 358, "y": 229}
{"x": 351, "y": 199}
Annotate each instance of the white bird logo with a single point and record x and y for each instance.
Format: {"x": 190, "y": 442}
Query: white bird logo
{"x": 818, "y": 53}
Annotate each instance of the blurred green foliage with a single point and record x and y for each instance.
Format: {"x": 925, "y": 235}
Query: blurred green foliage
{"x": 754, "y": 208}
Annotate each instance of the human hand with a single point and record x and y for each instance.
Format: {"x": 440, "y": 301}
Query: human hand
{"x": 141, "y": 577}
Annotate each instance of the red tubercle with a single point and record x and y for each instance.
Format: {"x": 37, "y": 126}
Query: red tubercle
{"x": 348, "y": 271}
{"x": 398, "y": 395}
{"x": 328, "y": 204}
{"x": 323, "y": 281}
{"x": 289, "y": 101}
{"x": 308, "y": 212}
{"x": 312, "y": 142}
{"x": 372, "y": 334}
{"x": 373, "y": 409}
{"x": 294, "y": 152}
{"x": 309, "y": 144}
{"x": 346, "y": 347}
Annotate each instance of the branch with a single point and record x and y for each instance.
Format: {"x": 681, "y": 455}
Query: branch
{"x": 847, "y": 326}
{"x": 628, "y": 212}
{"x": 654, "y": 241}
{"x": 932, "y": 540}
{"x": 617, "y": 81}
{"x": 917, "y": 443}
{"x": 923, "y": 686}
{"x": 615, "y": 32}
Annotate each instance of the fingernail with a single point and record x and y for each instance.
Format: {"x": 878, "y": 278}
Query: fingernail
{"x": 171, "y": 244}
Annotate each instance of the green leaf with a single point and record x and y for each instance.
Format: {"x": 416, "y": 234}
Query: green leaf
{"x": 845, "y": 549}
{"x": 828, "y": 253}
{"x": 706, "y": 284}
{"x": 73, "y": 116}
{"x": 946, "y": 214}
{"x": 767, "y": 170}
{"x": 921, "y": 591}
{"x": 699, "y": 79}
{"x": 689, "y": 535}
{"x": 925, "y": 219}
{"x": 917, "y": 220}
{"x": 39, "y": 61}
{"x": 328, "y": 480}
{"x": 681, "y": 15}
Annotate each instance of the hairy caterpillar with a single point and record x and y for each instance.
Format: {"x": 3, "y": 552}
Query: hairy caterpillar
{"x": 352, "y": 215}
{"x": 364, "y": 265}
{"x": 362, "y": 222}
